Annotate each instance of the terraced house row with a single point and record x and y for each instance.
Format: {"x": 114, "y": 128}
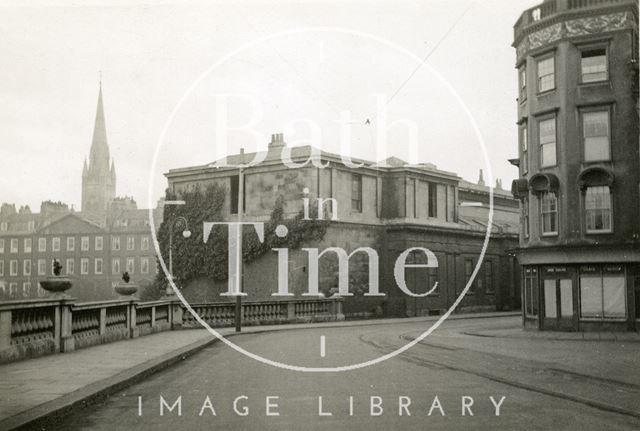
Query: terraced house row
{"x": 95, "y": 245}
{"x": 93, "y": 256}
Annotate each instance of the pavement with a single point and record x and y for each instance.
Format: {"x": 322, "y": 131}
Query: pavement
{"x": 552, "y": 335}
{"x": 48, "y": 388}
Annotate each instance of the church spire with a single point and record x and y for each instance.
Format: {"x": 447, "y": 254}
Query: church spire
{"x": 99, "y": 175}
{"x": 99, "y": 155}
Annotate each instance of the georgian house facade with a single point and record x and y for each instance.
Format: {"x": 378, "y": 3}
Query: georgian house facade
{"x": 93, "y": 256}
{"x": 390, "y": 209}
{"x": 579, "y": 165}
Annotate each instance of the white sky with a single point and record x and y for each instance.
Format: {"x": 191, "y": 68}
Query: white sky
{"x": 150, "y": 53}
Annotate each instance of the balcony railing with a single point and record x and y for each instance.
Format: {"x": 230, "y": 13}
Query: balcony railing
{"x": 550, "y": 8}
{"x": 43, "y": 326}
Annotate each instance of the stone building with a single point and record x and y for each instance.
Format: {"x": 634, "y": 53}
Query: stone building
{"x": 110, "y": 235}
{"x": 389, "y": 209}
{"x": 579, "y": 166}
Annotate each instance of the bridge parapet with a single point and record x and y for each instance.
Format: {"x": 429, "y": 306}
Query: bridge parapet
{"x": 38, "y": 327}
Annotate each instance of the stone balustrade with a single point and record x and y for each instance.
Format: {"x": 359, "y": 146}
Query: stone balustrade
{"x": 37, "y": 327}
{"x": 266, "y": 312}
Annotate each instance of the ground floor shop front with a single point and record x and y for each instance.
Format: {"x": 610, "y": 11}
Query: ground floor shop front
{"x": 591, "y": 296}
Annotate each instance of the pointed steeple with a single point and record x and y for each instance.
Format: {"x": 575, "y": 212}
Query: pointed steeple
{"x": 99, "y": 155}
{"x": 99, "y": 174}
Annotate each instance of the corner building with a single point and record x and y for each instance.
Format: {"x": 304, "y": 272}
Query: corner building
{"x": 578, "y": 186}
{"x": 389, "y": 207}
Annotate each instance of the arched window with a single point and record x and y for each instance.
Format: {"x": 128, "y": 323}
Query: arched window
{"x": 597, "y": 206}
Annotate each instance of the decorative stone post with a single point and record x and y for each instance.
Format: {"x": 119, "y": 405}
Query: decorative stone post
{"x": 67, "y": 342}
{"x": 176, "y": 314}
{"x": 337, "y": 308}
{"x": 126, "y": 289}
{"x": 58, "y": 285}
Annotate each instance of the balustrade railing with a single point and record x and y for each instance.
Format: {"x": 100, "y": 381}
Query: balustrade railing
{"x": 546, "y": 9}
{"x": 37, "y": 327}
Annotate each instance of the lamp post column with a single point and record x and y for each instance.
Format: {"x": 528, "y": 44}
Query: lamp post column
{"x": 239, "y": 275}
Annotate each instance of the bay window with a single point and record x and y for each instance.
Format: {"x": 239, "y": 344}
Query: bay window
{"x": 546, "y": 74}
{"x": 594, "y": 65}
{"x": 549, "y": 213}
{"x": 547, "y": 138}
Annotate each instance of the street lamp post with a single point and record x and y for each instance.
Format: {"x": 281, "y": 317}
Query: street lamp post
{"x": 238, "y": 312}
{"x": 185, "y": 233}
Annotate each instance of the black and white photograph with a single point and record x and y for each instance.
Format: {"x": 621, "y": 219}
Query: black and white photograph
{"x": 319, "y": 215}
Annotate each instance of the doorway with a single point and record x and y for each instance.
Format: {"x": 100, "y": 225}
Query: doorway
{"x": 558, "y": 303}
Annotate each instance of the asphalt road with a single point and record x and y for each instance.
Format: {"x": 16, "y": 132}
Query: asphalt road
{"x": 538, "y": 384}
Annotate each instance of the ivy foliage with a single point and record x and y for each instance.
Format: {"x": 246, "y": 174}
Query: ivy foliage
{"x": 193, "y": 258}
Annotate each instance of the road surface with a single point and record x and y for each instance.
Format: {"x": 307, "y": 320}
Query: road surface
{"x": 451, "y": 381}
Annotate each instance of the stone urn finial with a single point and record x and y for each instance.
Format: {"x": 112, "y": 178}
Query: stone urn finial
{"x": 57, "y": 267}
{"x": 126, "y": 287}
{"x": 56, "y": 283}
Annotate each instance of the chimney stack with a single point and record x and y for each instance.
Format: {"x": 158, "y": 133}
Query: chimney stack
{"x": 277, "y": 140}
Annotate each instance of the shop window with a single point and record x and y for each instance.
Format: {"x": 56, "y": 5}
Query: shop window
{"x": 531, "y": 291}
{"x": 602, "y": 292}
